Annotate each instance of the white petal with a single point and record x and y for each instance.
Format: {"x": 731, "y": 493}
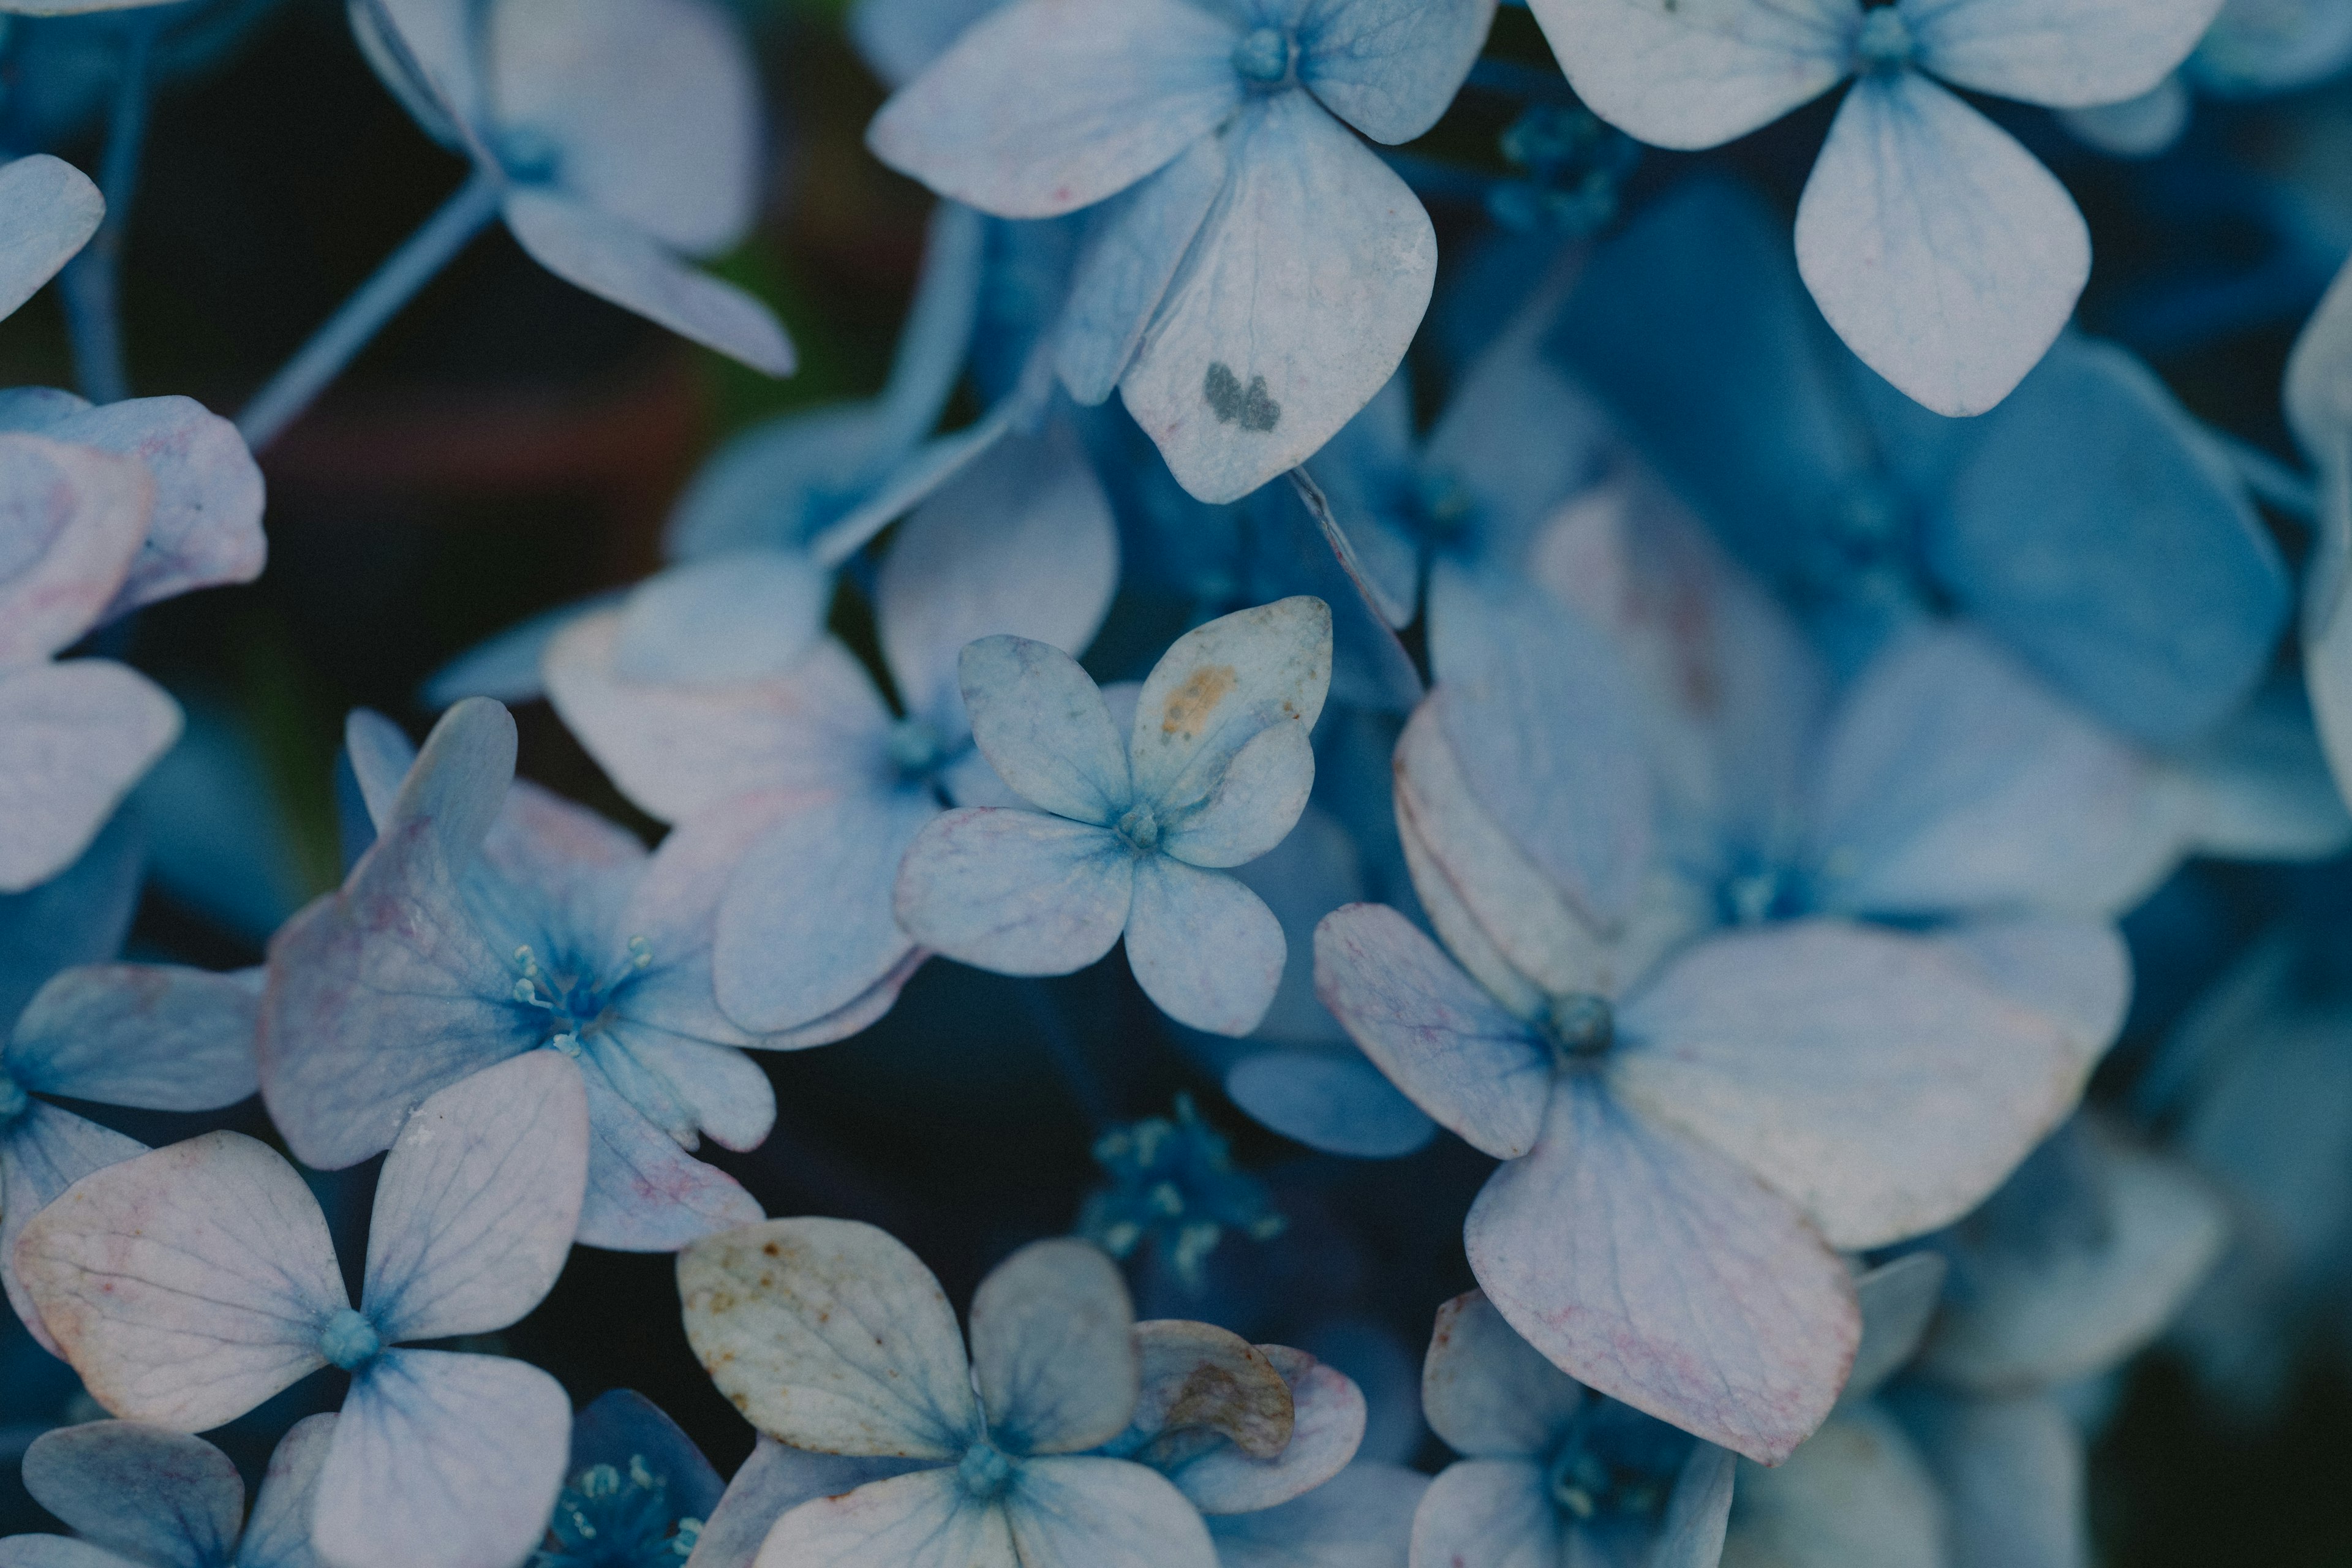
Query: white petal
{"x": 72, "y": 520}
{"x": 1203, "y": 947}
{"x": 1487, "y": 1391}
{"x": 1103, "y": 1514}
{"x": 1693, "y": 73}
{"x": 2065, "y": 54}
{"x": 73, "y": 738}
{"x": 926, "y": 1520}
{"x": 53, "y": 209}
{"x": 1053, "y": 1349}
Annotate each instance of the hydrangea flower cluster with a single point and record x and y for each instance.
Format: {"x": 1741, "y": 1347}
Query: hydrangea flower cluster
{"x": 1636, "y": 863}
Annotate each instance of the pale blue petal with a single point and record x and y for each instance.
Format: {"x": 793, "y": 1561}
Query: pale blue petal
{"x": 1944, "y": 254}
{"x": 1040, "y": 721}
{"x": 1475, "y": 1068}
{"x": 722, "y": 1089}
{"x": 652, "y": 109}
{"x": 736, "y": 615}
{"x": 550, "y": 865}
{"x": 80, "y": 916}
{"x": 925, "y": 1519}
{"x": 624, "y": 1425}
{"x": 1698, "y": 1510}
{"x": 1253, "y": 806}
{"x": 1701, "y": 72}
{"x": 477, "y": 1204}
{"x": 2158, "y": 612}
{"x": 1898, "y": 1300}
{"x": 155, "y": 1496}
{"x": 44, "y": 1152}
{"x": 1015, "y": 891}
{"x": 1021, "y": 542}
{"x": 1203, "y": 947}
{"x": 1369, "y": 473}
{"x": 53, "y": 209}
{"x": 58, "y": 1551}
{"x": 776, "y": 1479}
{"x": 33, "y": 409}
{"x": 897, "y": 38}
{"x": 777, "y": 484}
{"x": 77, "y": 520}
{"x": 1103, "y": 1514}
{"x": 1053, "y": 1349}
{"x": 1517, "y": 438}
{"x": 1875, "y": 1080}
{"x": 74, "y": 738}
{"x": 187, "y": 1285}
{"x": 152, "y": 1036}
{"x": 616, "y": 262}
{"x": 1390, "y": 67}
{"x": 1856, "y": 1496}
{"x": 1307, "y": 280}
{"x": 1339, "y": 1104}
{"x": 1134, "y": 244}
{"x": 2260, "y": 783}
{"x": 1487, "y": 1391}
{"x": 645, "y": 1193}
{"x": 783, "y": 959}
{"x": 922, "y": 470}
{"x": 1051, "y": 105}
{"x": 441, "y": 1460}
{"x": 831, "y": 1332}
{"x": 1741, "y": 1332}
{"x": 1490, "y": 1513}
{"x": 2075, "y": 972}
{"x": 2012, "y": 1471}
{"x": 426, "y": 51}
{"x": 2142, "y": 127}
{"x": 279, "y": 1533}
{"x": 936, "y": 339}
{"x": 2065, "y": 54}
{"x": 381, "y": 753}
{"x": 1218, "y": 687}
{"x": 2255, "y": 50}
{"x": 1362, "y": 1517}
{"x": 506, "y": 667}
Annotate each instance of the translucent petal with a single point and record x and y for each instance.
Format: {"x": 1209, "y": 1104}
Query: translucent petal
{"x": 1040, "y": 721}
{"x": 1695, "y": 73}
{"x": 1306, "y": 283}
{"x": 381, "y": 753}
{"x": 1898, "y": 1300}
{"x": 1945, "y": 255}
{"x": 1051, "y": 105}
{"x": 621, "y": 1423}
{"x": 1134, "y": 244}
{"x": 279, "y": 1533}
{"x": 1015, "y": 891}
{"x": 441, "y": 1460}
{"x": 188, "y": 1285}
{"x": 2065, "y": 54}
{"x": 506, "y": 665}
{"x": 643, "y": 1193}
{"x": 1217, "y": 687}
{"x": 2141, "y": 127}
{"x": 153, "y": 1036}
{"x": 1487, "y": 1391}
{"x": 775, "y": 1480}
{"x": 830, "y": 1333}
{"x": 1740, "y": 1332}
{"x": 925, "y": 1519}
{"x": 2075, "y": 972}
{"x": 1390, "y": 67}
{"x": 1362, "y": 1517}
{"x": 44, "y": 1152}
{"x": 1857, "y": 1493}
{"x": 1103, "y": 1514}
{"x": 774, "y": 485}
{"x": 1339, "y": 1104}
{"x": 897, "y": 38}
{"x": 1489, "y": 1513}
{"x": 1203, "y": 947}
{"x": 78, "y": 916}
{"x": 1053, "y": 1349}
{"x": 1475, "y": 1068}
{"x": 737, "y": 615}
{"x": 73, "y": 738}
{"x": 53, "y": 210}
{"x": 72, "y": 520}
{"x": 155, "y": 1496}
{"x": 1691, "y": 1534}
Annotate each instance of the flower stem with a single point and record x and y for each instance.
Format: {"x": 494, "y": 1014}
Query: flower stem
{"x": 332, "y": 347}
{"x": 91, "y": 286}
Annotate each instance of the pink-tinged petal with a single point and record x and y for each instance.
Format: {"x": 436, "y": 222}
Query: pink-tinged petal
{"x": 73, "y": 738}
{"x": 1016, "y": 892}
{"x": 205, "y": 527}
{"x": 149, "y": 1493}
{"x": 44, "y": 1152}
{"x": 188, "y": 1285}
{"x": 152, "y": 1036}
{"x": 645, "y": 1193}
{"x": 1487, "y": 1391}
{"x": 1474, "y": 1067}
{"x": 926, "y": 1520}
{"x": 1203, "y": 947}
{"x": 71, "y": 522}
{"x": 775, "y": 1480}
{"x": 1657, "y": 1272}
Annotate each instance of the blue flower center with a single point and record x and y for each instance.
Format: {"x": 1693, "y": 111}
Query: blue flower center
{"x": 527, "y": 156}
{"x": 350, "y": 1341}
{"x": 987, "y": 1471}
{"x": 1581, "y": 1026}
{"x": 14, "y": 1101}
{"x": 1266, "y": 56}
{"x": 613, "y": 1518}
{"x": 1616, "y": 1463}
{"x": 916, "y": 749}
{"x": 572, "y": 1001}
{"x": 1885, "y": 42}
{"x": 1443, "y": 506}
{"x": 1140, "y": 827}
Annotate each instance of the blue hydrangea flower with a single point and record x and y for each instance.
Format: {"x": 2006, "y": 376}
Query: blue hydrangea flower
{"x": 1944, "y": 254}
{"x": 810, "y": 775}
{"x": 1867, "y": 513}
{"x": 192, "y": 1283}
{"x": 1131, "y": 834}
{"x": 1551, "y": 1472}
{"x": 1172, "y": 1183}
{"x": 615, "y": 137}
{"x": 492, "y": 919}
{"x": 637, "y": 1490}
{"x": 148, "y": 1496}
{"x": 1267, "y": 271}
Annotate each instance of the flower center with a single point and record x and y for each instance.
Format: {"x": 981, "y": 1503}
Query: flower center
{"x": 1580, "y": 1025}
{"x": 611, "y": 1518}
{"x": 916, "y": 749}
{"x": 1140, "y": 827}
{"x": 1446, "y": 505}
{"x": 350, "y": 1341}
{"x": 1616, "y": 1463}
{"x": 573, "y": 1001}
{"x": 986, "y": 1471}
{"x": 1885, "y": 42}
{"x": 1266, "y": 56}
{"x": 12, "y": 1099}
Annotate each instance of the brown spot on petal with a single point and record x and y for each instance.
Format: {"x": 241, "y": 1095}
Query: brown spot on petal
{"x": 1190, "y": 705}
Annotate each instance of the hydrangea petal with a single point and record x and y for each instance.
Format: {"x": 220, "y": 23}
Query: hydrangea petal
{"x": 1898, "y": 1300}
{"x": 1303, "y": 288}
{"x": 279, "y": 1533}
{"x": 73, "y": 520}
{"x": 195, "y": 1330}
{"x": 1857, "y": 1492}
{"x": 1390, "y": 67}
{"x": 1741, "y": 1332}
{"x": 80, "y": 916}
{"x": 1021, "y": 542}
{"x": 925, "y": 1519}
{"x": 73, "y": 738}
{"x": 477, "y": 1201}
{"x": 1041, "y": 722}
{"x": 1087, "y": 1513}
{"x": 1016, "y": 892}
{"x": 151, "y": 1035}
{"x": 1697, "y": 1511}
{"x": 1051, "y": 105}
{"x": 643, "y": 1193}
{"x": 44, "y": 1152}
{"x": 1328, "y": 1414}
{"x": 2075, "y": 972}
{"x": 1476, "y": 1068}
{"x": 1198, "y": 1378}
{"x": 736, "y": 615}
{"x": 442, "y": 1460}
{"x": 506, "y": 665}
{"x": 616, "y": 262}
{"x": 1338, "y": 1104}
{"x": 776, "y": 1479}
{"x": 1487, "y": 1391}
{"x": 1695, "y": 73}
{"x": 1203, "y": 947}
{"x": 1218, "y": 686}
{"x": 621, "y": 1424}
{"x": 1489, "y": 1513}
{"x": 1362, "y": 1517}
{"x": 155, "y": 1496}
{"x": 57, "y": 1552}
{"x": 1053, "y": 1349}
{"x": 53, "y": 210}
{"x": 2063, "y": 54}
{"x": 1134, "y": 244}
{"x": 1254, "y": 806}
{"x": 2012, "y": 1474}
{"x": 832, "y": 1334}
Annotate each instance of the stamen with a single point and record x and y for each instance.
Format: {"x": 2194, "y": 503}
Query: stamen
{"x": 1885, "y": 42}
{"x": 1140, "y": 828}
{"x": 1266, "y": 56}
{"x": 349, "y": 1341}
{"x": 986, "y": 1470}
